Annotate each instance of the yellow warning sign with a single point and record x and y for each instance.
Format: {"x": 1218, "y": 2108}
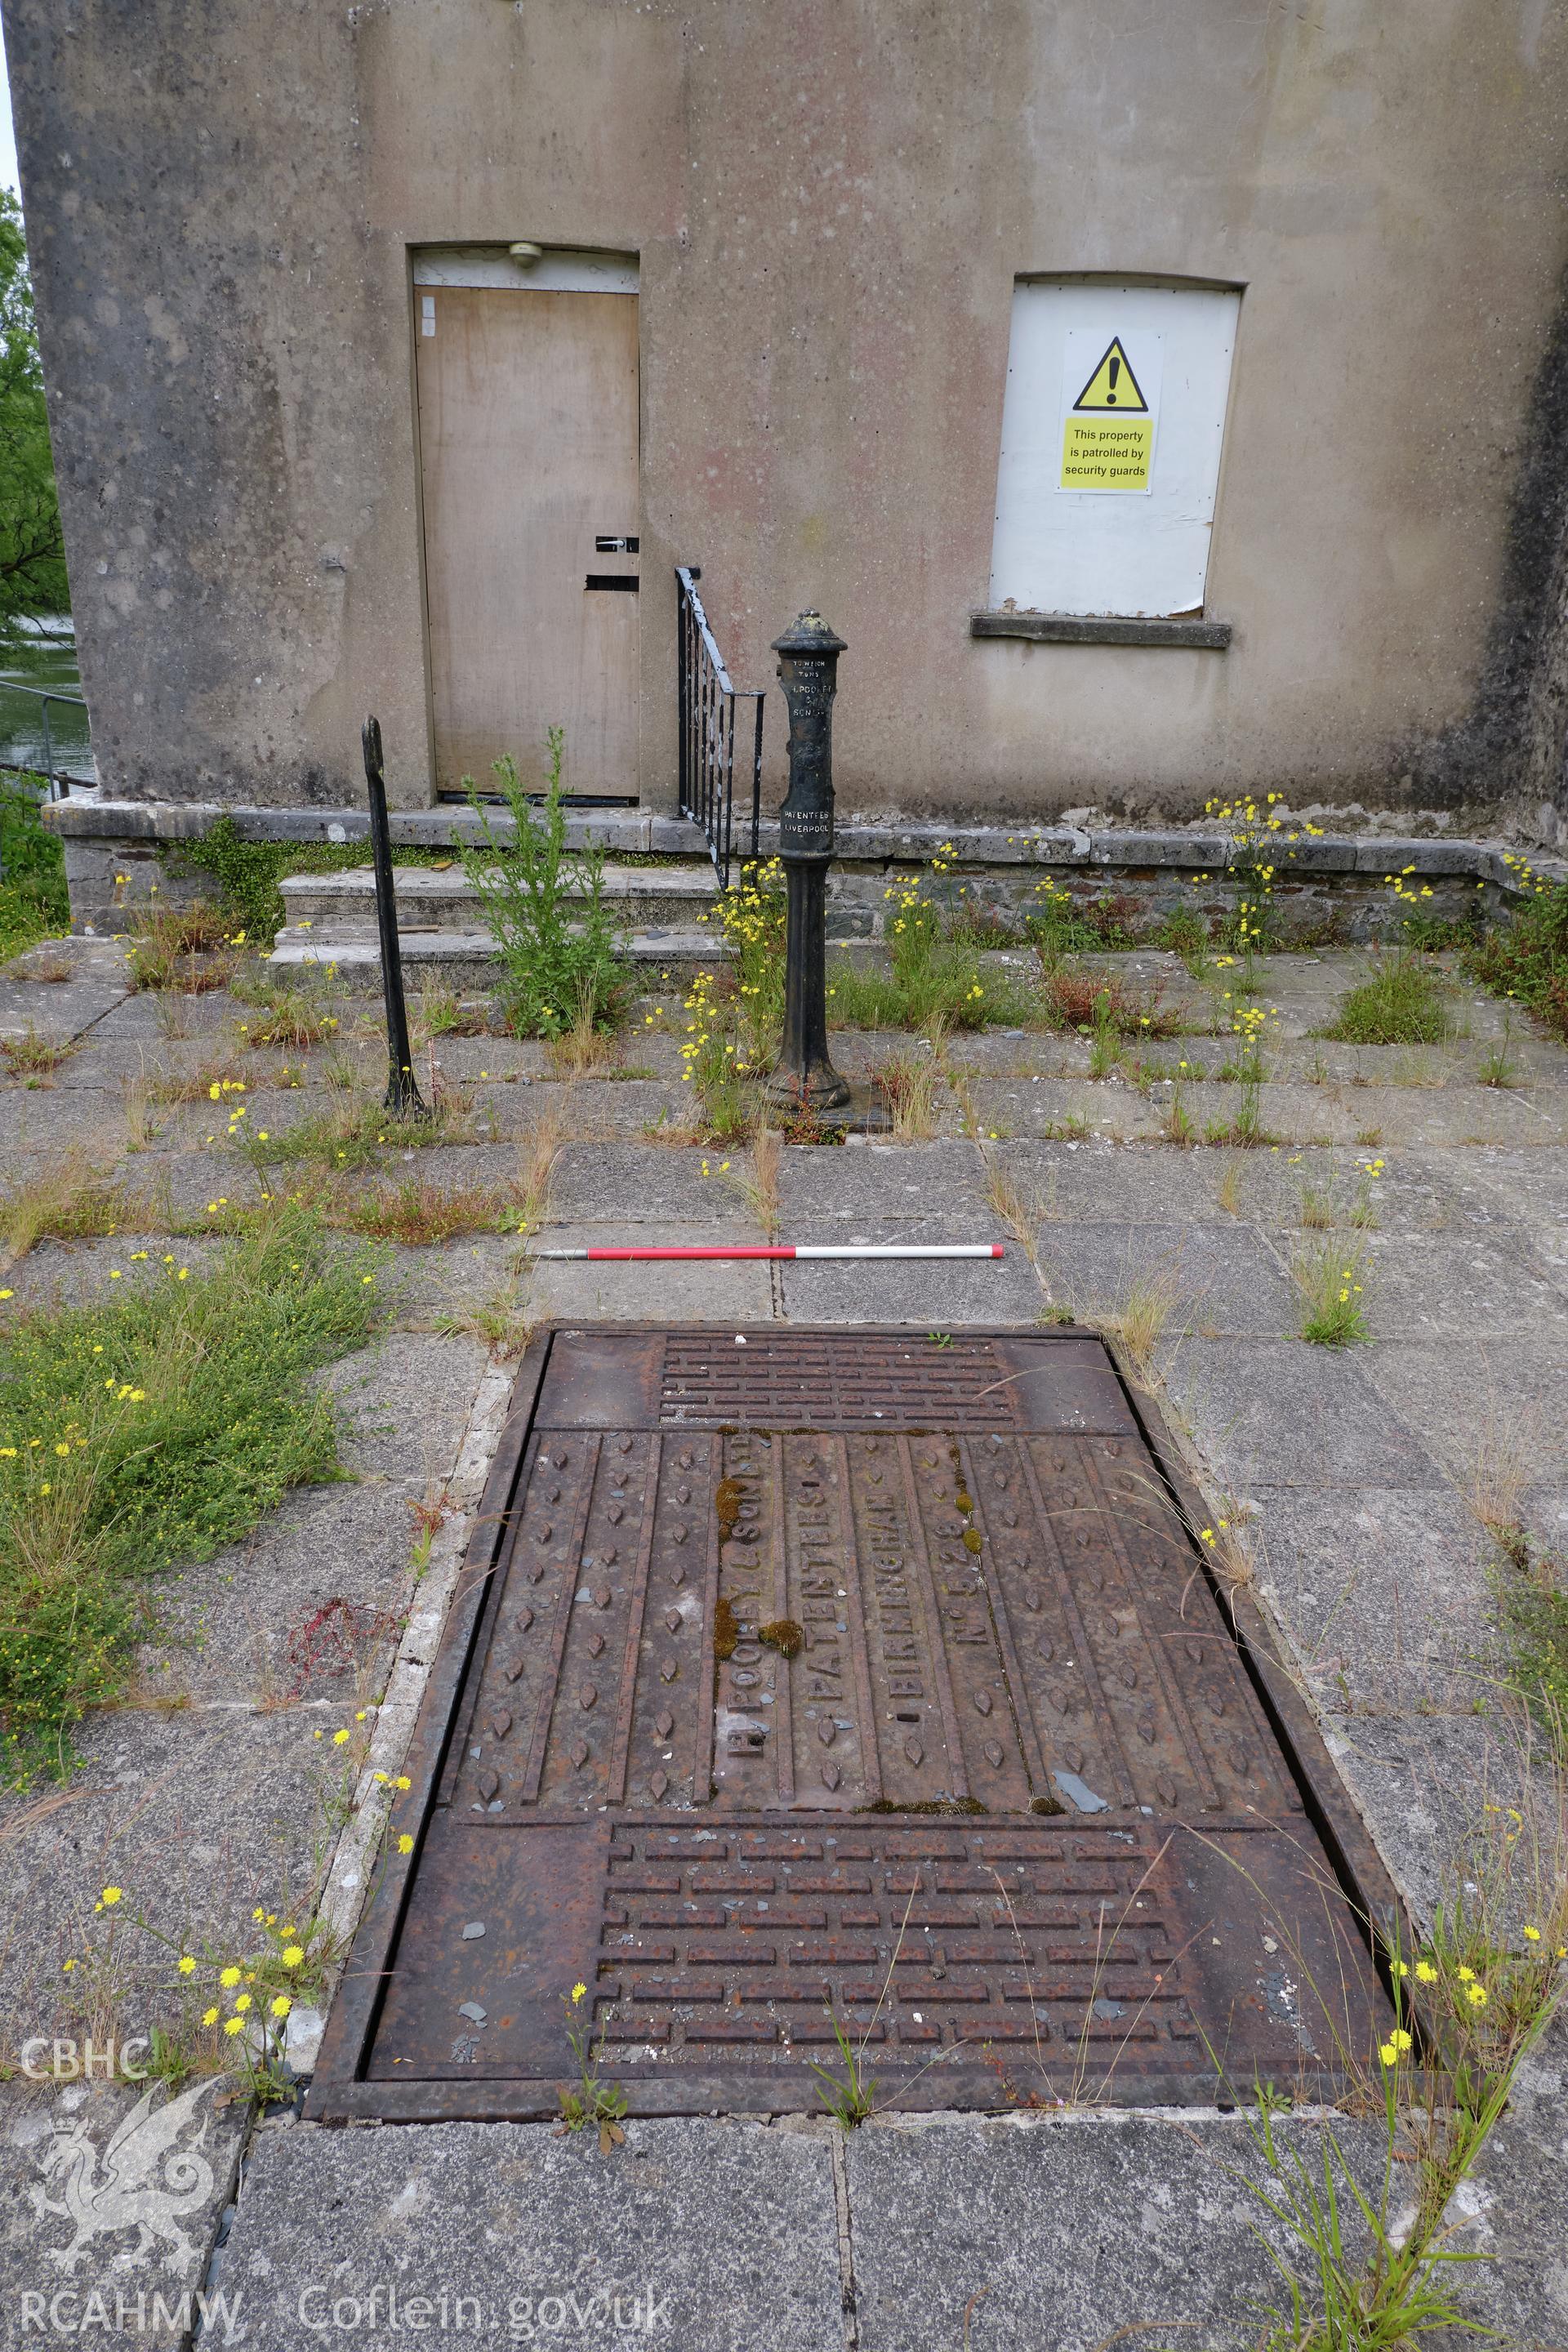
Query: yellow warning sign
{"x": 1113, "y": 384}
{"x": 1107, "y": 453}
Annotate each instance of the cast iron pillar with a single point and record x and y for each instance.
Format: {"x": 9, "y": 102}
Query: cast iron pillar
{"x": 808, "y": 672}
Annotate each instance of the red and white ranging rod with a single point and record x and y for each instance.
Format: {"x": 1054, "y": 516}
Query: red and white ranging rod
{"x": 798, "y": 1250}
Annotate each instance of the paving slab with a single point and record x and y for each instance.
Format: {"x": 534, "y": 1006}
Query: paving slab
{"x": 630, "y": 1183}
{"x": 79, "y": 1274}
{"x": 1384, "y": 1599}
{"x": 1067, "y": 1180}
{"x": 1278, "y": 1413}
{"x": 160, "y": 1014}
{"x": 1422, "y": 1783}
{"x": 886, "y": 1180}
{"x": 53, "y": 2135}
{"x": 1417, "y": 1286}
{"x": 198, "y": 1814}
{"x": 1458, "y": 1391}
{"x": 1528, "y": 1187}
{"x": 1411, "y": 1188}
{"x": 1005, "y": 1107}
{"x": 1029, "y": 2233}
{"x": 935, "y": 1294}
{"x": 1220, "y": 1280}
{"x": 666, "y": 1291}
{"x": 726, "y": 2234}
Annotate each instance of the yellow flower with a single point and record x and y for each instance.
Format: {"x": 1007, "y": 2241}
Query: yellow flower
{"x": 187, "y": 1966}
{"x": 578, "y": 1990}
{"x": 234, "y": 2025}
{"x": 405, "y": 1844}
{"x": 1400, "y": 2039}
{"x": 1425, "y": 1972}
{"x": 282, "y": 2005}
{"x": 229, "y": 1976}
{"x": 293, "y": 1955}
{"x": 1475, "y": 1994}
{"x": 109, "y": 1896}
{"x": 1533, "y": 1934}
{"x": 1388, "y": 2053}
{"x": 339, "y": 1737}
{"x": 242, "y": 2004}
{"x": 402, "y": 1781}
{"x": 1467, "y": 1975}
{"x": 209, "y": 2017}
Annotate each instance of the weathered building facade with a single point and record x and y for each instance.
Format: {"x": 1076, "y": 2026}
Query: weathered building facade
{"x": 1162, "y": 403}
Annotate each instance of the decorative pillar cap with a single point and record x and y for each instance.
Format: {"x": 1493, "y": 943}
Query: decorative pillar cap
{"x": 810, "y": 635}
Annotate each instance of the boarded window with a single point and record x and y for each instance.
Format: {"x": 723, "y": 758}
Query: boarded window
{"x": 1110, "y": 445}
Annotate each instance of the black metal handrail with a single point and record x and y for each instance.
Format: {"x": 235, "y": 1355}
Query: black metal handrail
{"x": 44, "y": 696}
{"x": 705, "y": 699}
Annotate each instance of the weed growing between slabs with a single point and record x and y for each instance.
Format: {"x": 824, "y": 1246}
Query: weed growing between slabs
{"x": 147, "y": 1432}
{"x": 1369, "y": 2261}
{"x": 1329, "y": 1276}
{"x": 1400, "y": 1004}
{"x": 1529, "y": 1584}
{"x": 1527, "y": 957}
{"x": 554, "y": 934}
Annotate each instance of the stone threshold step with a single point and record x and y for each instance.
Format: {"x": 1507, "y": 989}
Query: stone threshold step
{"x": 354, "y": 956}
{"x": 659, "y": 894}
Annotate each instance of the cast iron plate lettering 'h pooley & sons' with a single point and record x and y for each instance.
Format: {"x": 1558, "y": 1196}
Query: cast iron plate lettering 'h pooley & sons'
{"x": 804, "y": 1675}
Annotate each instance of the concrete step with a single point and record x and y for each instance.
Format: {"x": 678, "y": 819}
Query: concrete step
{"x": 644, "y": 896}
{"x": 465, "y": 957}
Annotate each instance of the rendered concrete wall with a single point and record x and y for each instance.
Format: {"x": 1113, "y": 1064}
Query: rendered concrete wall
{"x": 831, "y": 200}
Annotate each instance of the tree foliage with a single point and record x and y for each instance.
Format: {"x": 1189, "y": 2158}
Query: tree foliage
{"x": 32, "y": 550}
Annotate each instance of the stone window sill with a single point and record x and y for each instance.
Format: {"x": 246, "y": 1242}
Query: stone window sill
{"x": 1101, "y": 629}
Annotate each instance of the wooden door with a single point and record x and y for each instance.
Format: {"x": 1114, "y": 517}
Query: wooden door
{"x": 528, "y": 435}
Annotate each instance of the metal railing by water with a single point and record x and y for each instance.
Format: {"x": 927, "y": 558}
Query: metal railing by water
{"x": 707, "y": 701}
{"x": 60, "y": 782}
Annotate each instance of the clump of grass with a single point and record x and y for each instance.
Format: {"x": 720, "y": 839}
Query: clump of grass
{"x": 588, "y": 1048}
{"x": 1059, "y": 923}
{"x": 1332, "y": 1311}
{"x": 758, "y": 1185}
{"x": 439, "y": 1012}
{"x": 934, "y": 980}
{"x": 417, "y": 1212}
{"x": 66, "y": 1202}
{"x": 148, "y": 1431}
{"x": 1184, "y": 933}
{"x": 180, "y": 948}
{"x": 32, "y": 1056}
{"x": 1527, "y": 957}
{"x": 1498, "y": 1066}
{"x": 292, "y": 1013}
{"x": 345, "y": 1136}
{"x": 908, "y": 1084}
{"x": 1400, "y": 1004}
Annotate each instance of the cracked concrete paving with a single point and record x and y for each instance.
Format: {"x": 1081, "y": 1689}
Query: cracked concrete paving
{"x": 1032, "y": 2231}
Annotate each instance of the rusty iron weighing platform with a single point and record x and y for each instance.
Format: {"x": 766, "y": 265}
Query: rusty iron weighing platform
{"x": 1028, "y": 1808}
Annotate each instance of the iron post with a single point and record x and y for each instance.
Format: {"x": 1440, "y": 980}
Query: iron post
{"x": 808, "y": 671}
{"x": 403, "y": 1097}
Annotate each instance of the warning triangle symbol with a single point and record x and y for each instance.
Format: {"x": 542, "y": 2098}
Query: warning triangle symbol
{"x": 1113, "y": 383}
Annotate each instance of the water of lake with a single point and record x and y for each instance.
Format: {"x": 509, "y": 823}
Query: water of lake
{"x": 48, "y": 662}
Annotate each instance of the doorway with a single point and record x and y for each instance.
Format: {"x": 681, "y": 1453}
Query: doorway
{"x": 527, "y": 388}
